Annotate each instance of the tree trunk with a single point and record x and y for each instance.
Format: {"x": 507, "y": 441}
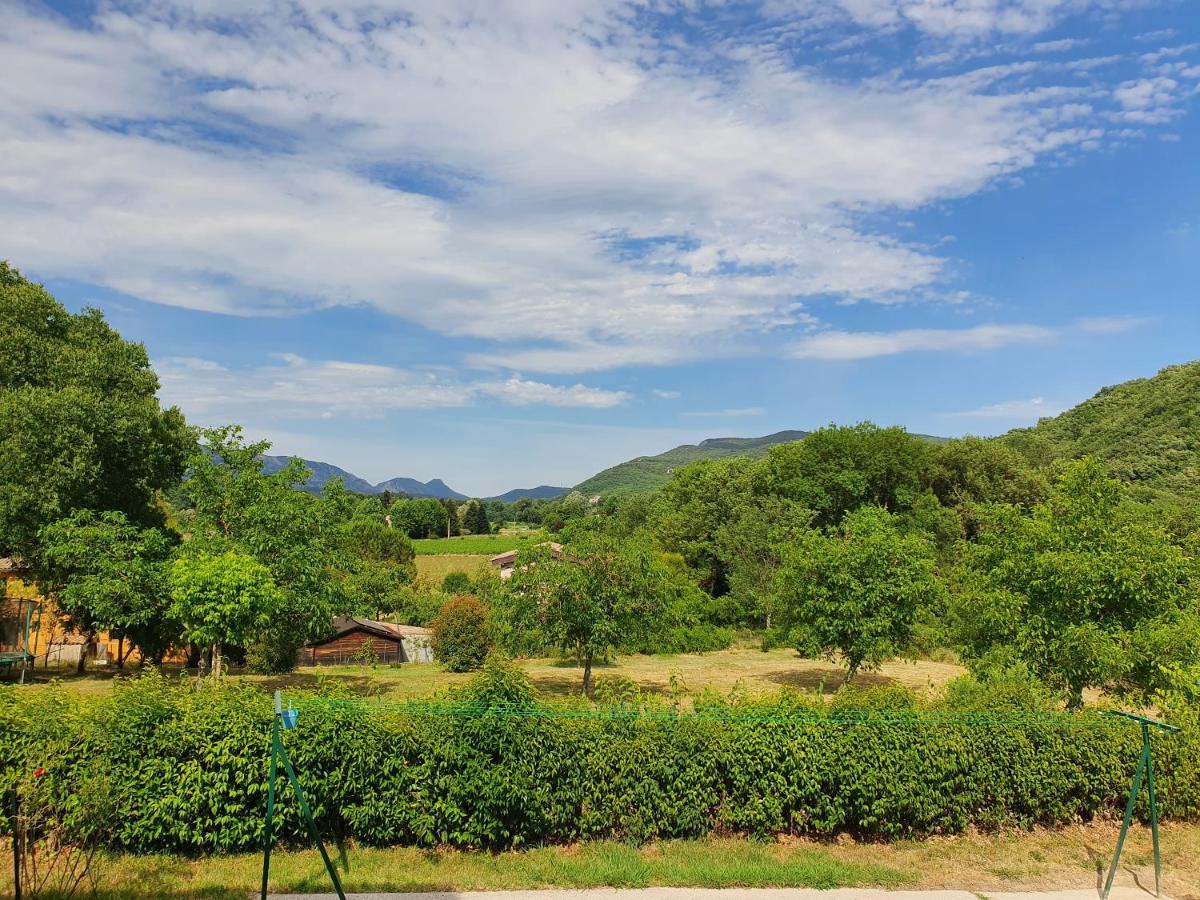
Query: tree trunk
{"x": 121, "y": 652}
{"x": 216, "y": 660}
{"x": 587, "y": 672}
{"x": 81, "y": 666}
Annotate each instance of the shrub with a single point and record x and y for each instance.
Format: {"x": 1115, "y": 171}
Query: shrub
{"x": 462, "y": 634}
{"x": 187, "y": 768}
{"x": 456, "y": 583}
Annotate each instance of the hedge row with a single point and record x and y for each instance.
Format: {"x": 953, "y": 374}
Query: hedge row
{"x": 157, "y": 767}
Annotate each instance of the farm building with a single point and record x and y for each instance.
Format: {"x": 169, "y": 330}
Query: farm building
{"x": 506, "y": 561}
{"x": 23, "y": 608}
{"x": 361, "y": 640}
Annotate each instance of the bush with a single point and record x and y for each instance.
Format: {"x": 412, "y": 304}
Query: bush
{"x": 462, "y": 634}
{"x": 187, "y": 768}
{"x": 456, "y": 583}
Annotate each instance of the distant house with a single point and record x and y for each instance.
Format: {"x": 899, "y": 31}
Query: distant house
{"x": 390, "y": 643}
{"x": 22, "y": 609}
{"x": 506, "y": 561}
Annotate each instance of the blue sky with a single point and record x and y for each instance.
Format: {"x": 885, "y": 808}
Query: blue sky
{"x": 511, "y": 243}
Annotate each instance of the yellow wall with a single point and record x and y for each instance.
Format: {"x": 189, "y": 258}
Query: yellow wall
{"x": 16, "y": 590}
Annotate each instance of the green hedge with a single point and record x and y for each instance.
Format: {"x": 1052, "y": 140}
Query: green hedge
{"x": 185, "y": 770}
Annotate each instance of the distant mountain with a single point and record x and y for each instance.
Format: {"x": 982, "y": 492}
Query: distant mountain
{"x": 1147, "y": 431}
{"x": 321, "y": 473}
{"x": 645, "y": 473}
{"x": 412, "y": 487}
{"x": 541, "y": 492}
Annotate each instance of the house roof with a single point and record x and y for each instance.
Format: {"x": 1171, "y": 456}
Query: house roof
{"x": 10, "y": 566}
{"x": 509, "y": 557}
{"x": 387, "y": 630}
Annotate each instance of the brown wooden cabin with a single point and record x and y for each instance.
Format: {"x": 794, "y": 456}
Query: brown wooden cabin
{"x": 391, "y": 643}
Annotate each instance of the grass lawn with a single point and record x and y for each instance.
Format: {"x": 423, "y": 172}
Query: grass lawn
{"x": 755, "y": 670}
{"x": 432, "y": 569}
{"x": 489, "y": 544}
{"x": 1065, "y": 858}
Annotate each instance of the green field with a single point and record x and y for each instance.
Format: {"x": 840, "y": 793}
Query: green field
{"x": 478, "y": 544}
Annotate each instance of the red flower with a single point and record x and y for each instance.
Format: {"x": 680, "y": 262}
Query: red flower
{"x": 39, "y": 772}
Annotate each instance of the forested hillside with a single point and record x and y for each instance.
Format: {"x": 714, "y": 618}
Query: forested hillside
{"x": 645, "y": 473}
{"x": 1147, "y": 431}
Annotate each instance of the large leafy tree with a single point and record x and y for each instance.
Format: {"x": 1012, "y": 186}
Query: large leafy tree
{"x": 295, "y": 535}
{"x": 222, "y": 598}
{"x": 1081, "y": 588}
{"x": 836, "y": 470}
{"x": 601, "y": 593}
{"x": 80, "y": 426}
{"x": 855, "y": 591}
{"x": 110, "y": 575}
{"x": 377, "y": 564}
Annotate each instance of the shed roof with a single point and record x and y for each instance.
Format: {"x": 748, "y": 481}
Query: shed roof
{"x": 388, "y": 630}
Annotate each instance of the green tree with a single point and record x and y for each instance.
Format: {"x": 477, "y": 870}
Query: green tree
{"x": 80, "y": 425}
{"x": 856, "y": 590}
{"x": 475, "y": 518}
{"x": 1075, "y": 586}
{"x": 376, "y": 564}
{"x": 837, "y": 469}
{"x": 297, "y": 536}
{"x": 108, "y": 574}
{"x": 221, "y": 599}
{"x": 602, "y": 593}
{"x": 462, "y": 634}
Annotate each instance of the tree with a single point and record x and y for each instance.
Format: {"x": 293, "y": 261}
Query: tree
{"x": 376, "y": 563}
{"x": 837, "y": 469}
{"x": 295, "y": 535}
{"x": 969, "y": 472}
{"x": 1074, "y": 586}
{"x": 475, "y": 518}
{"x": 462, "y": 634}
{"x": 80, "y": 423}
{"x": 450, "y": 517}
{"x": 855, "y": 590}
{"x": 601, "y": 593}
{"x": 108, "y": 574}
{"x": 221, "y": 599}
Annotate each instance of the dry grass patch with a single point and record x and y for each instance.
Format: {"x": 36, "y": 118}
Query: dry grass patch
{"x": 433, "y": 568}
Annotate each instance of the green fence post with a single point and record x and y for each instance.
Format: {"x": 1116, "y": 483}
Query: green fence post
{"x": 312, "y": 825}
{"x": 270, "y": 836}
{"x": 1145, "y": 767}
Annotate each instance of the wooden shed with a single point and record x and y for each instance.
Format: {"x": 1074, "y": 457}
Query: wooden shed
{"x": 389, "y": 643}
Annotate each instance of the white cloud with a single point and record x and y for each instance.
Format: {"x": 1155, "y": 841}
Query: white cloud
{"x": 1113, "y": 324}
{"x": 302, "y": 388}
{"x": 1018, "y": 410}
{"x": 564, "y": 182}
{"x": 665, "y": 395}
{"x": 847, "y": 345}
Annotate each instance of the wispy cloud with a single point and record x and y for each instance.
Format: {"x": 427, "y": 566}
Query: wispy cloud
{"x": 665, "y": 395}
{"x": 849, "y": 345}
{"x": 296, "y": 387}
{"x": 1113, "y": 324}
{"x": 663, "y": 196}
{"x": 1018, "y": 410}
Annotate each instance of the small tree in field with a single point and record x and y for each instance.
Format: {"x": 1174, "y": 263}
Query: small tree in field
{"x": 856, "y": 590}
{"x": 221, "y": 598}
{"x": 462, "y": 634}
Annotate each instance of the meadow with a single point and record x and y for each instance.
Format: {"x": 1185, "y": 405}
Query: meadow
{"x": 489, "y": 544}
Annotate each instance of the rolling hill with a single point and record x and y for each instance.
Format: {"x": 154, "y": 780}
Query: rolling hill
{"x": 1146, "y": 430}
{"x": 645, "y": 473}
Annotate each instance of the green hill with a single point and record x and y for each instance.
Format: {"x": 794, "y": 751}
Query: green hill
{"x": 645, "y": 473}
{"x": 1146, "y": 430}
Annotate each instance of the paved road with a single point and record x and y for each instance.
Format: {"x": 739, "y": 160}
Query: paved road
{"x": 1119, "y": 893}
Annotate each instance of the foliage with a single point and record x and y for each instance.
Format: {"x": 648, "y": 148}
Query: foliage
{"x": 297, "y": 536}
{"x": 187, "y": 768}
{"x": 1080, "y": 587}
{"x": 377, "y": 563}
{"x": 462, "y": 634}
{"x": 108, "y": 574}
{"x": 80, "y": 425}
{"x": 221, "y": 598}
{"x": 456, "y": 583}
{"x": 856, "y": 590}
{"x": 475, "y": 518}
{"x": 602, "y": 593}
{"x": 1146, "y": 432}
